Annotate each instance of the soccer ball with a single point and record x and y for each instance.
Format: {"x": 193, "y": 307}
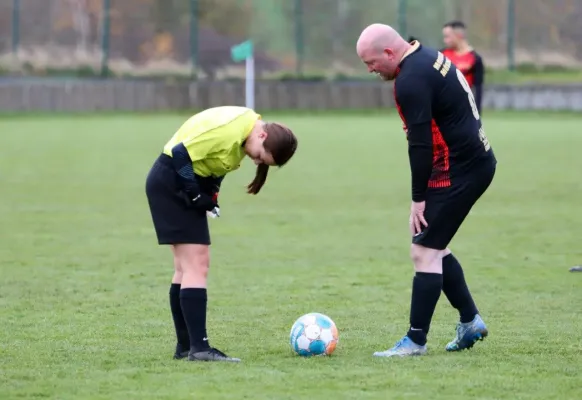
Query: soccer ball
{"x": 314, "y": 334}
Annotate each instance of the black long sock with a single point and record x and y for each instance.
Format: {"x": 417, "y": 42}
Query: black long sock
{"x": 193, "y": 302}
{"x": 426, "y": 290}
{"x": 456, "y": 289}
{"x": 178, "y": 317}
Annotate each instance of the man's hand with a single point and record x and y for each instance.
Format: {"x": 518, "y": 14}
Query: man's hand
{"x": 417, "y": 221}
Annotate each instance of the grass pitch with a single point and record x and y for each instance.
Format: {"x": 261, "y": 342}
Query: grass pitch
{"x": 84, "y": 287}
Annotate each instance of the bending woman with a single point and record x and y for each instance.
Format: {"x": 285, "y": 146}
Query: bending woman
{"x": 183, "y": 186}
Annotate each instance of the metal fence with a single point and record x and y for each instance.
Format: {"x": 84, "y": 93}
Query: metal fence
{"x": 309, "y": 37}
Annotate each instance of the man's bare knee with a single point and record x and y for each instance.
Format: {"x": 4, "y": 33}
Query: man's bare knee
{"x": 177, "y": 266}
{"x": 426, "y": 260}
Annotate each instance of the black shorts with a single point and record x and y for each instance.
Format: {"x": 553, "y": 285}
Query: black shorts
{"x": 447, "y": 208}
{"x": 174, "y": 222}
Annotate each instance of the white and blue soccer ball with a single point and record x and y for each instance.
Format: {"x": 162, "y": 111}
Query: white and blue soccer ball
{"x": 314, "y": 334}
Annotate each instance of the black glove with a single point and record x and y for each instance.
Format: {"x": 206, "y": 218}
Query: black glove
{"x": 203, "y": 202}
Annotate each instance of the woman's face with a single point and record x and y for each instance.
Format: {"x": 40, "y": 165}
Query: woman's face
{"x": 255, "y": 149}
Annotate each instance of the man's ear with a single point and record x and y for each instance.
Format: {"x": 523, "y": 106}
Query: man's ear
{"x": 389, "y": 52}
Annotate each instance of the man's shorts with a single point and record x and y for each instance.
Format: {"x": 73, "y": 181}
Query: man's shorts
{"x": 174, "y": 222}
{"x": 447, "y": 208}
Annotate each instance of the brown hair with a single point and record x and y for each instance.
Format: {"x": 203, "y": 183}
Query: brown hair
{"x": 281, "y": 143}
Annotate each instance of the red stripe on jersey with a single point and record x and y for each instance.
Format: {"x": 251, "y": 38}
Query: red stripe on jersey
{"x": 440, "y": 177}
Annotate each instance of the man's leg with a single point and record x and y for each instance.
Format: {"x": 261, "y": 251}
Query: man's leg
{"x": 426, "y": 253}
{"x": 426, "y": 289}
{"x": 445, "y": 211}
{"x": 471, "y": 327}
{"x": 427, "y": 285}
{"x": 456, "y": 289}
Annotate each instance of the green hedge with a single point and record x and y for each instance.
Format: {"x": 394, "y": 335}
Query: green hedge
{"x": 523, "y": 73}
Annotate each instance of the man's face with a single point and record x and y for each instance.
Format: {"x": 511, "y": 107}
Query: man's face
{"x": 450, "y": 37}
{"x": 382, "y": 63}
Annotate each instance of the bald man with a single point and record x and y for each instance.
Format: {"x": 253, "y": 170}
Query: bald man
{"x": 465, "y": 58}
{"x": 451, "y": 164}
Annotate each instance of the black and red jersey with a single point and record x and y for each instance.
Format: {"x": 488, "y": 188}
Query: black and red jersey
{"x": 471, "y": 65}
{"x": 443, "y": 125}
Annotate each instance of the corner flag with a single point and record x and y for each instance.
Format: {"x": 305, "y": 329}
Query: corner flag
{"x": 240, "y": 52}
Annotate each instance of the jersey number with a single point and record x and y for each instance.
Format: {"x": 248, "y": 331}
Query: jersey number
{"x": 467, "y": 88}
{"x": 443, "y": 65}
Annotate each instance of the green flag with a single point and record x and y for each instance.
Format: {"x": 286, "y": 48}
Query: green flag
{"x": 242, "y": 51}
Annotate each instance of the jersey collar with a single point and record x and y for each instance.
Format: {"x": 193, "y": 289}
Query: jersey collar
{"x": 415, "y": 45}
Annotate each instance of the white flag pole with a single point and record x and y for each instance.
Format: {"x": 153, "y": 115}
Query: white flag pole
{"x": 250, "y": 81}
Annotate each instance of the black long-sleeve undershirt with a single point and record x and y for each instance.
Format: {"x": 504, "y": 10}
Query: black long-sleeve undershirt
{"x": 420, "y": 154}
{"x": 193, "y": 184}
{"x": 414, "y": 98}
{"x": 183, "y": 166}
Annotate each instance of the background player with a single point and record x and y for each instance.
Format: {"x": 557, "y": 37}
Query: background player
{"x": 459, "y": 51}
{"x": 183, "y": 185}
{"x": 452, "y": 165}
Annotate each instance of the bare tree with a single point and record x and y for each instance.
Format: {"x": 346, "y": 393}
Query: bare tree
{"x": 341, "y": 17}
{"x": 81, "y": 23}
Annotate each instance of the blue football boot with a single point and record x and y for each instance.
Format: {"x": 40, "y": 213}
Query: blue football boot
{"x": 468, "y": 334}
{"x": 404, "y": 347}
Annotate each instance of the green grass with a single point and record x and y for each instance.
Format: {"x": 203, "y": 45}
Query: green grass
{"x": 502, "y": 76}
{"x": 84, "y": 286}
